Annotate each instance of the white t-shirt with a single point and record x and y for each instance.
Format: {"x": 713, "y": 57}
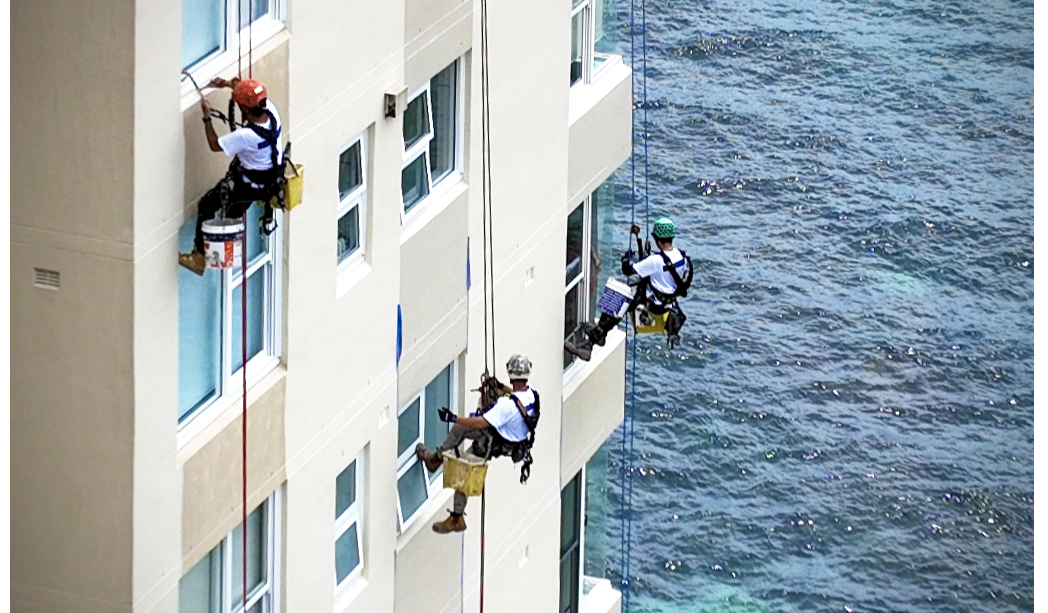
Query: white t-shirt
{"x": 505, "y": 417}
{"x": 251, "y": 148}
{"x": 653, "y": 265}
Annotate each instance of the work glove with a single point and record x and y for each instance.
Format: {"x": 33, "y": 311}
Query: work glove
{"x": 627, "y": 267}
{"x": 447, "y": 416}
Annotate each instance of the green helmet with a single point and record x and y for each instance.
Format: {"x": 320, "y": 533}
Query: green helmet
{"x": 664, "y": 228}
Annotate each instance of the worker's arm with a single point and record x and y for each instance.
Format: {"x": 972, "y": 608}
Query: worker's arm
{"x": 627, "y": 266}
{"x": 209, "y": 128}
{"x": 473, "y": 423}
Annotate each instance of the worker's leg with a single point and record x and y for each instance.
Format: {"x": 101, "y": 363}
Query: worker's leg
{"x": 460, "y": 503}
{"x": 674, "y": 322}
{"x": 457, "y": 434}
{"x": 210, "y": 204}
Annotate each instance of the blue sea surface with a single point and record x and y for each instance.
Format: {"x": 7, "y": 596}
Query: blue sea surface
{"x": 848, "y": 426}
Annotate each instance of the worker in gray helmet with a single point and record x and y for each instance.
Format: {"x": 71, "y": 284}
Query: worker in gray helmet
{"x": 502, "y": 426}
{"x": 661, "y": 277}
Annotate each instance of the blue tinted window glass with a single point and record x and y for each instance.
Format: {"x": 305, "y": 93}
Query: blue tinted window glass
{"x": 347, "y": 554}
{"x": 412, "y": 490}
{"x": 199, "y": 331}
{"x": 256, "y": 294}
{"x": 203, "y": 29}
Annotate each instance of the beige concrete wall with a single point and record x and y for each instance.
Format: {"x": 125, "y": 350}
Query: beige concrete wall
{"x": 593, "y": 406}
{"x": 158, "y": 210}
{"x": 310, "y": 515}
{"x": 213, "y": 479}
{"x": 72, "y": 421}
{"x": 343, "y": 50}
{"x": 599, "y": 138}
{"x": 72, "y": 117}
{"x": 433, "y": 276}
{"x": 436, "y": 33}
{"x": 72, "y": 433}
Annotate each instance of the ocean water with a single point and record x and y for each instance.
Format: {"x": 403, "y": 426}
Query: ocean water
{"x": 849, "y": 423}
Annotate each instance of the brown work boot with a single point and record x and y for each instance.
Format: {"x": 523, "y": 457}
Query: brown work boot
{"x": 454, "y": 523}
{"x": 431, "y": 462}
{"x": 193, "y": 261}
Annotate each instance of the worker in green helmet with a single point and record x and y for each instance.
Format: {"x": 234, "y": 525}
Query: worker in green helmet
{"x": 664, "y": 276}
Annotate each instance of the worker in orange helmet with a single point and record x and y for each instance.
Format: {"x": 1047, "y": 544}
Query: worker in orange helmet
{"x": 257, "y": 152}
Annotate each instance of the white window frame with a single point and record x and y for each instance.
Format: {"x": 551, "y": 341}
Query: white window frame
{"x": 251, "y": 35}
{"x": 583, "y": 278}
{"x": 589, "y": 40}
{"x": 421, "y": 148}
{"x": 229, "y": 386}
{"x": 582, "y": 536}
{"x": 357, "y": 198}
{"x": 353, "y": 515}
{"x": 268, "y": 592}
{"x": 434, "y": 482}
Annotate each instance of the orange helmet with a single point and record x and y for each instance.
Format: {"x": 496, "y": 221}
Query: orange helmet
{"x": 249, "y": 93}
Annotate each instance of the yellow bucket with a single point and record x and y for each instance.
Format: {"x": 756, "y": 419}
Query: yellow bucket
{"x": 465, "y": 474}
{"x": 658, "y": 326}
{"x": 293, "y": 186}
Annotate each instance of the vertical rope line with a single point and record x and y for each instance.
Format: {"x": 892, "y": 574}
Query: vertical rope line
{"x": 240, "y": 55}
{"x": 484, "y": 178}
{"x": 489, "y": 266}
{"x": 462, "y": 575}
{"x": 250, "y": 41}
{"x": 633, "y": 127}
{"x": 628, "y": 447}
{"x": 644, "y": 103}
{"x": 486, "y": 85}
{"x": 243, "y": 372}
{"x": 633, "y": 357}
{"x": 483, "y": 511}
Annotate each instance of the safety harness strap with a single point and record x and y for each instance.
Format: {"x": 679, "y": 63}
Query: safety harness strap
{"x": 269, "y": 136}
{"x": 682, "y": 285}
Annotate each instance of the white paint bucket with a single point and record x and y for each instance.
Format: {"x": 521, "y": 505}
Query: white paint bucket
{"x": 616, "y": 298}
{"x": 222, "y": 239}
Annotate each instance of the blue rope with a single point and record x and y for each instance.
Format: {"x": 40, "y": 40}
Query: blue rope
{"x": 629, "y": 419}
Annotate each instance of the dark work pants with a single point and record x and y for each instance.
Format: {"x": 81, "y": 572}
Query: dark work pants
{"x": 229, "y": 192}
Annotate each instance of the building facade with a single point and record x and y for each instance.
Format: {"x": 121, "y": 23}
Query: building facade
{"x": 126, "y": 394}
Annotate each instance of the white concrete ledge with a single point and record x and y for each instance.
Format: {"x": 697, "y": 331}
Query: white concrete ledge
{"x": 599, "y": 597}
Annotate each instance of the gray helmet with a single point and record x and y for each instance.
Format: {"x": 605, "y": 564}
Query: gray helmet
{"x": 519, "y": 367}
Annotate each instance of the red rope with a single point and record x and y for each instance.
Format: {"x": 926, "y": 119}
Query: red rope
{"x": 243, "y": 370}
{"x": 483, "y": 509}
{"x": 240, "y": 71}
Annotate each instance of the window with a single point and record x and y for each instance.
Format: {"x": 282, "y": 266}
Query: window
{"x": 571, "y": 505}
{"x": 418, "y": 423}
{"x": 352, "y": 204}
{"x": 585, "y": 272}
{"x": 209, "y": 29}
{"x": 432, "y": 135}
{"x": 591, "y": 41}
{"x": 209, "y": 319}
{"x": 585, "y": 547}
{"x": 349, "y": 546}
{"x": 215, "y": 584}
